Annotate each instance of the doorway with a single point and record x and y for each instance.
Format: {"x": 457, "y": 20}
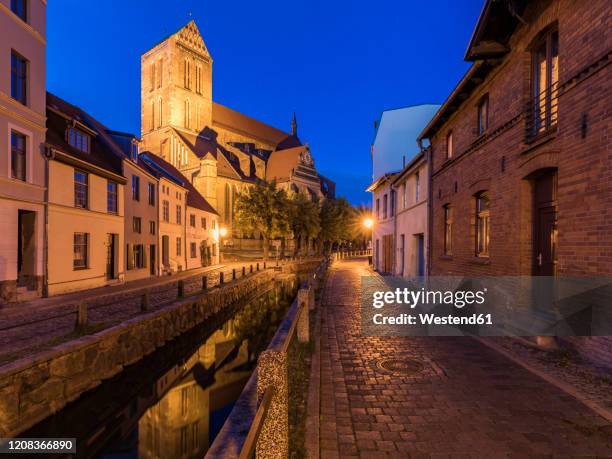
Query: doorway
{"x": 545, "y": 224}
{"x": 420, "y": 240}
{"x": 112, "y": 242}
{"x": 166, "y": 251}
{"x": 153, "y": 260}
{"x": 26, "y": 249}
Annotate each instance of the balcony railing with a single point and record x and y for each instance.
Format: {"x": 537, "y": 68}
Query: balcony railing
{"x": 541, "y": 114}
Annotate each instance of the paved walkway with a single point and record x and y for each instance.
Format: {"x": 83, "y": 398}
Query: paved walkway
{"x": 469, "y": 401}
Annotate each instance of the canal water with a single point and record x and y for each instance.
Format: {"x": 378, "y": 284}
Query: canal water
{"x": 174, "y": 402}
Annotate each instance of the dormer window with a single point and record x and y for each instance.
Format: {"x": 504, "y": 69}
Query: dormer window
{"x": 78, "y": 139}
{"x": 134, "y": 152}
{"x": 20, "y": 8}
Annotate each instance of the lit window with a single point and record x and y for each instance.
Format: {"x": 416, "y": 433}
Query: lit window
{"x": 18, "y": 156}
{"x": 81, "y": 242}
{"x": 449, "y": 145}
{"x": 482, "y": 224}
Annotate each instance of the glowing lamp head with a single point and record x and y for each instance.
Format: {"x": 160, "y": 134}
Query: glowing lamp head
{"x": 368, "y": 223}
{"x": 223, "y": 232}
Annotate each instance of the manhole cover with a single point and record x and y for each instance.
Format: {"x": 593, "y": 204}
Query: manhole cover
{"x": 400, "y": 367}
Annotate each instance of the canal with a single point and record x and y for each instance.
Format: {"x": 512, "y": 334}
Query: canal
{"x": 174, "y": 402}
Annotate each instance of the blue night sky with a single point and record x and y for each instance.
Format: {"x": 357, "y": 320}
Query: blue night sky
{"x": 337, "y": 63}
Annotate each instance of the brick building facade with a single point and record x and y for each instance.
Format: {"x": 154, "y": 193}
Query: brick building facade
{"x": 521, "y": 176}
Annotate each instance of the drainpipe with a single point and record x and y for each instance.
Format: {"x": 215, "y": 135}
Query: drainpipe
{"x": 429, "y": 161}
{"x": 48, "y": 154}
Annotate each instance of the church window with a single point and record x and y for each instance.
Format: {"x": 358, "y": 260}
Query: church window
{"x": 152, "y": 76}
{"x": 187, "y": 74}
{"x": 152, "y": 115}
{"x": 187, "y": 114}
{"x": 199, "y": 79}
{"x": 227, "y": 203}
{"x": 159, "y": 112}
{"x": 160, "y": 73}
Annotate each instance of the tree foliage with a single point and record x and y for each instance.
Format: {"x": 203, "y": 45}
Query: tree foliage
{"x": 304, "y": 219}
{"x": 337, "y": 221}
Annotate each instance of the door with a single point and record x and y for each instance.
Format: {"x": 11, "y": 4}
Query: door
{"x": 420, "y": 255}
{"x": 111, "y": 257}
{"x": 153, "y": 260}
{"x": 26, "y": 248}
{"x": 166, "y": 251}
{"x": 401, "y": 255}
{"x": 545, "y": 225}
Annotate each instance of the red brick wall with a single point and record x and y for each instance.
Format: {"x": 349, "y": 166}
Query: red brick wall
{"x": 584, "y": 165}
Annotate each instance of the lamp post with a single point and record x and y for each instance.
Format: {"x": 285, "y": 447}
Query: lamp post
{"x": 222, "y": 235}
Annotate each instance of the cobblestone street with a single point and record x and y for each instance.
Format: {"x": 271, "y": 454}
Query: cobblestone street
{"x": 465, "y": 400}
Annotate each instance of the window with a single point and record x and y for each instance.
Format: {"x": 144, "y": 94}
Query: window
{"x": 19, "y": 78}
{"x": 160, "y": 73}
{"x": 449, "y": 145}
{"x": 166, "y": 211}
{"x": 384, "y": 206}
{"x": 392, "y": 204}
{"x": 111, "y": 197}
{"x": 136, "y": 224}
{"x": 81, "y": 242}
{"x": 134, "y": 151}
{"x": 448, "y": 229}
{"x": 135, "y": 188}
{"x": 198, "y": 79}
{"x": 544, "y": 83}
{"x": 214, "y": 224}
{"x": 417, "y": 187}
{"x": 404, "y": 196}
{"x": 187, "y": 70}
{"x": 178, "y": 246}
{"x": 18, "y": 156}
{"x": 139, "y": 256}
{"x": 187, "y": 113}
{"x": 192, "y": 249}
{"x": 151, "y": 194}
{"x": 152, "y": 124}
{"x": 195, "y": 436}
{"x": 214, "y": 250}
{"x": 184, "y": 445}
{"x": 203, "y": 223}
{"x": 179, "y": 220}
{"x": 78, "y": 139}
{"x": 152, "y": 76}
{"x": 20, "y": 8}
{"x": 159, "y": 112}
{"x": 378, "y": 208}
{"x": 483, "y": 115}
{"x": 192, "y": 220}
{"x": 482, "y": 224}
{"x": 81, "y": 181}
{"x": 152, "y": 227}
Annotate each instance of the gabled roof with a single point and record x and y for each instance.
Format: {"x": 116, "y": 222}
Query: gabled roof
{"x": 496, "y": 24}
{"x": 251, "y": 127}
{"x": 165, "y": 169}
{"x": 283, "y": 163}
{"x": 381, "y": 181}
{"x": 291, "y": 141}
{"x": 103, "y": 152}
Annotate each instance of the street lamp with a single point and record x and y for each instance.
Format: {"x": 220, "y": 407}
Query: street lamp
{"x": 368, "y": 223}
{"x": 223, "y": 232}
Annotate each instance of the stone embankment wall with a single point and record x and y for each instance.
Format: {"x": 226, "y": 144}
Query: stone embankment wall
{"x": 35, "y": 387}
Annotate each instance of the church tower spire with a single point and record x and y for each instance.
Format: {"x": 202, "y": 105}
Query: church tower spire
{"x": 294, "y": 125}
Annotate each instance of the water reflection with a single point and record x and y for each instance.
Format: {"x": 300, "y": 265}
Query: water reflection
{"x": 171, "y": 405}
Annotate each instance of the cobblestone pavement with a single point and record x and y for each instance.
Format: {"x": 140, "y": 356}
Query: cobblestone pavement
{"x": 468, "y": 401}
{"x": 28, "y": 327}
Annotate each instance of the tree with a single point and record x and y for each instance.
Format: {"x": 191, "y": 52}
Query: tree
{"x": 263, "y": 208}
{"x": 304, "y": 220}
{"x": 337, "y": 222}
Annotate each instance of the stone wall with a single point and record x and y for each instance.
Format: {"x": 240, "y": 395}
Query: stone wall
{"x": 33, "y": 388}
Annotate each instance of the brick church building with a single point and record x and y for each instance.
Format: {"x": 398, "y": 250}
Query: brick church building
{"x": 218, "y": 149}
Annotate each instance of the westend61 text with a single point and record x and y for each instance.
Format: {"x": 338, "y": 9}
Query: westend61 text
{"x": 432, "y": 319}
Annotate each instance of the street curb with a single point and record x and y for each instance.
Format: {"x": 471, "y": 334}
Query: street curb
{"x": 569, "y": 389}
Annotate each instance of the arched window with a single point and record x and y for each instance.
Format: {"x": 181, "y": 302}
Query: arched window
{"x": 152, "y": 126}
{"x": 483, "y": 224}
{"x": 187, "y": 114}
{"x": 448, "y": 229}
{"x": 227, "y": 203}
{"x": 187, "y": 71}
{"x": 160, "y": 73}
{"x": 449, "y": 145}
{"x": 159, "y": 112}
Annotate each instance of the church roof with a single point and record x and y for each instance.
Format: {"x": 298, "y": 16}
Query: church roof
{"x": 282, "y": 164}
{"x": 291, "y": 141}
{"x": 231, "y": 119}
{"x": 194, "y": 198}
